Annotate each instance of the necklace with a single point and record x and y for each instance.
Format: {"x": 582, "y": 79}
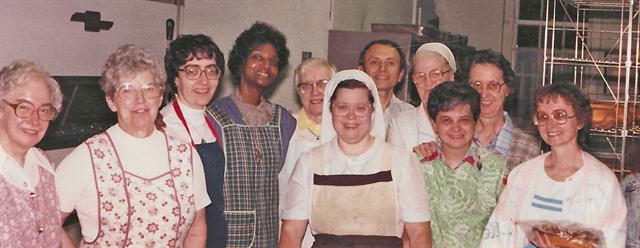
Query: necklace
{"x": 361, "y": 172}
{"x": 204, "y": 130}
{"x": 186, "y": 124}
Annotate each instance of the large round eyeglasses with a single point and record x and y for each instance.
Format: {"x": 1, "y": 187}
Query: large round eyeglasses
{"x": 343, "y": 109}
{"x": 149, "y": 91}
{"x": 558, "y": 116}
{"x": 491, "y": 87}
{"x": 27, "y": 109}
{"x": 307, "y": 87}
{"x": 435, "y": 75}
{"x": 194, "y": 72}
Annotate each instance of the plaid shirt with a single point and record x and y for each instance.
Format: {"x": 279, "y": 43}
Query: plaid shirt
{"x": 502, "y": 141}
{"x": 514, "y": 144}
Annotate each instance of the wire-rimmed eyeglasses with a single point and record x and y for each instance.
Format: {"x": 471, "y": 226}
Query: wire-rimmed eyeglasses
{"x": 558, "y": 116}
{"x": 149, "y": 91}
{"x": 343, "y": 109}
{"x": 307, "y": 87}
{"x": 194, "y": 72}
{"x": 435, "y": 75}
{"x": 492, "y": 87}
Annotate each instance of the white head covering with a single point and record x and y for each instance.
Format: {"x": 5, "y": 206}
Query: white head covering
{"x": 377, "y": 122}
{"x": 442, "y": 50}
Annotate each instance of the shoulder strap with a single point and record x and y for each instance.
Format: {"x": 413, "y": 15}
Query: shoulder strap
{"x": 230, "y": 109}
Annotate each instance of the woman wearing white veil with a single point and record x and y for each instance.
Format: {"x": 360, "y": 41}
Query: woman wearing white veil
{"x": 355, "y": 189}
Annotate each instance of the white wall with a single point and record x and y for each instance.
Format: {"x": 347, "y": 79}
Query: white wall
{"x": 357, "y": 15}
{"x": 41, "y": 30}
{"x": 304, "y": 23}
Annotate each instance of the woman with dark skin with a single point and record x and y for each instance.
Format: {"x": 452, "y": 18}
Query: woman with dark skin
{"x": 255, "y": 136}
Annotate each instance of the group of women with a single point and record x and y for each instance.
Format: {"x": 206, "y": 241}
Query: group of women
{"x": 224, "y": 174}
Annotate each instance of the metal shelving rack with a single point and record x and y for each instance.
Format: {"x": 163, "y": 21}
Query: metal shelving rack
{"x": 603, "y": 63}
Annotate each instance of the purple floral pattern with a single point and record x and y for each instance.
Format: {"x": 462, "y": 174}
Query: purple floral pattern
{"x": 27, "y": 221}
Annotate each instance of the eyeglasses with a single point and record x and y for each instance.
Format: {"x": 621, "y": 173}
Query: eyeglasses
{"x": 149, "y": 91}
{"x": 343, "y": 109}
{"x": 491, "y": 87}
{"x": 559, "y": 116}
{"x": 435, "y": 75}
{"x": 307, "y": 87}
{"x": 27, "y": 109}
{"x": 193, "y": 72}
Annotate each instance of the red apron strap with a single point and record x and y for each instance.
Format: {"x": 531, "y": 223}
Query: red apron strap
{"x": 176, "y": 107}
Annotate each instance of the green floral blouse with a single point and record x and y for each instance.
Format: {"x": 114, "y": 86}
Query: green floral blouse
{"x": 461, "y": 200}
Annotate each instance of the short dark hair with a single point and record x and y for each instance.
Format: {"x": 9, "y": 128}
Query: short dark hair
{"x": 448, "y": 95}
{"x": 578, "y": 101}
{"x": 185, "y": 48}
{"x": 403, "y": 62}
{"x": 258, "y": 34}
{"x": 350, "y": 84}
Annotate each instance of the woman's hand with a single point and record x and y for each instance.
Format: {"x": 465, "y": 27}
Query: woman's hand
{"x": 541, "y": 240}
{"x": 427, "y": 150}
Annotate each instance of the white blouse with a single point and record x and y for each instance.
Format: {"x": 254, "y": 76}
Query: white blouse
{"x": 26, "y": 177}
{"x": 412, "y": 204}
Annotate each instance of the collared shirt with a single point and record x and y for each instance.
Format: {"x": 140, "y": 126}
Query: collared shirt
{"x": 395, "y": 106}
{"x": 502, "y": 141}
{"x": 410, "y": 128}
{"x": 24, "y": 177}
{"x": 253, "y": 115}
{"x": 304, "y": 123}
{"x": 514, "y": 144}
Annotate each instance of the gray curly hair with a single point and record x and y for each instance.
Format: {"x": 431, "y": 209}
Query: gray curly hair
{"x": 20, "y": 72}
{"x": 127, "y": 61}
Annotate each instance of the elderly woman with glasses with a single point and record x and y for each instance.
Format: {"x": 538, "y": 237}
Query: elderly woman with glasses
{"x": 134, "y": 186}
{"x": 355, "y": 190}
{"x": 194, "y": 65}
{"x": 432, "y": 64}
{"x": 565, "y": 184}
{"x": 29, "y": 99}
{"x": 490, "y": 73}
{"x": 310, "y": 79}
